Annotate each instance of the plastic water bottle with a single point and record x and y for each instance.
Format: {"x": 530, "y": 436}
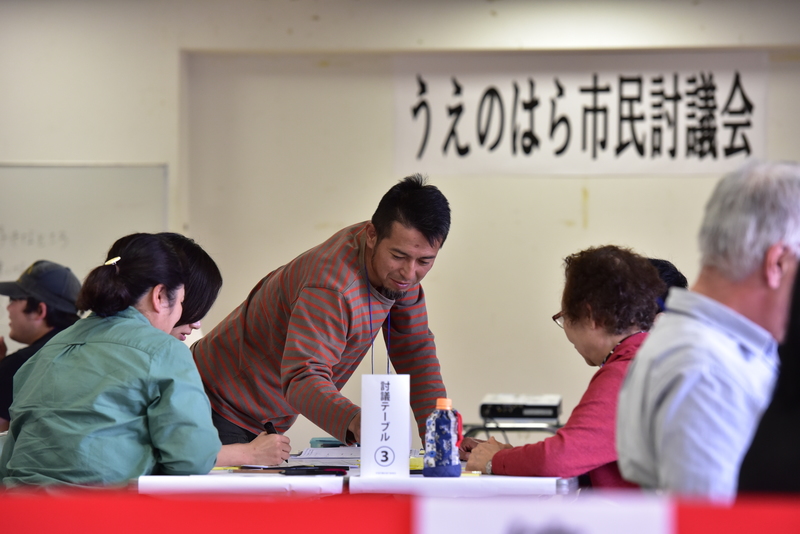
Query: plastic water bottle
{"x": 442, "y": 438}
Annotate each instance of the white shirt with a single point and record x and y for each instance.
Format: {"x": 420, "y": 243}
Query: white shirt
{"x": 693, "y": 398}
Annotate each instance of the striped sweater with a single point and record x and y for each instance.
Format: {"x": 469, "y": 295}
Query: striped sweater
{"x": 290, "y": 347}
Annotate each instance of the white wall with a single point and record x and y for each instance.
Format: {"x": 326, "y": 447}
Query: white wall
{"x": 182, "y": 83}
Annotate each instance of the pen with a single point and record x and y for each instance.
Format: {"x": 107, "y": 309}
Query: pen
{"x": 270, "y": 428}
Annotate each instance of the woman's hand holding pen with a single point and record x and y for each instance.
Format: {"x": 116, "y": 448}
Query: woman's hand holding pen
{"x": 265, "y": 449}
{"x": 269, "y": 449}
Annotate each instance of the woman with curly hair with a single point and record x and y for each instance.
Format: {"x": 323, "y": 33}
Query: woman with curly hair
{"x": 608, "y": 305}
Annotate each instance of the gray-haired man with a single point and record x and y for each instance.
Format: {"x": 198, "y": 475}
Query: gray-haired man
{"x": 695, "y": 393}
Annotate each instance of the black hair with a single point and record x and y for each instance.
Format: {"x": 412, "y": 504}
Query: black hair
{"x": 145, "y": 261}
{"x": 202, "y": 281}
{"x": 56, "y": 319}
{"x": 670, "y": 275}
{"x": 414, "y": 204}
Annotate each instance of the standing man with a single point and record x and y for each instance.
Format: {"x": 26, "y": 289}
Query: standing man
{"x": 297, "y": 338}
{"x": 695, "y": 393}
{"x": 42, "y": 304}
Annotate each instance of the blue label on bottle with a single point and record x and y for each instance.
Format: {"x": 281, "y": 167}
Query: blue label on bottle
{"x": 441, "y": 453}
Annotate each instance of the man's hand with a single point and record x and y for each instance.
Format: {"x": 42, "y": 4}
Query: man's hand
{"x": 483, "y": 452}
{"x": 467, "y": 444}
{"x": 266, "y": 449}
{"x": 354, "y": 430}
{"x": 3, "y": 348}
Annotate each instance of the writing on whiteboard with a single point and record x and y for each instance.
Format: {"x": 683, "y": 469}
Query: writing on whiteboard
{"x": 27, "y": 241}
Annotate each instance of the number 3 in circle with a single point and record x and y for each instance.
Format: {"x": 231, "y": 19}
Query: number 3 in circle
{"x": 384, "y": 456}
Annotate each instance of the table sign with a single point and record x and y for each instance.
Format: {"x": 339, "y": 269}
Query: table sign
{"x": 385, "y": 427}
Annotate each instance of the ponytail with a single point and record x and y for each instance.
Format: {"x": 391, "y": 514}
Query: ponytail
{"x": 136, "y": 263}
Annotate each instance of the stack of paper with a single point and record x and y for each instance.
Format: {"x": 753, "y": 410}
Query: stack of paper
{"x": 334, "y": 456}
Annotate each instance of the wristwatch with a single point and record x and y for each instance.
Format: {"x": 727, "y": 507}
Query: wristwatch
{"x": 489, "y": 467}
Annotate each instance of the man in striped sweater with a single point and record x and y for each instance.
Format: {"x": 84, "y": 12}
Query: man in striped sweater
{"x": 290, "y": 347}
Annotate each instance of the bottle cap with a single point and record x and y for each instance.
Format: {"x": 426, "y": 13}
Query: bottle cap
{"x": 444, "y": 404}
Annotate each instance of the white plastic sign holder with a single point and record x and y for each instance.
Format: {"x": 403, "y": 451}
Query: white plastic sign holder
{"x": 385, "y": 426}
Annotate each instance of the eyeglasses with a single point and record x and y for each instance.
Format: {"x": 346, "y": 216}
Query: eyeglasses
{"x": 559, "y": 319}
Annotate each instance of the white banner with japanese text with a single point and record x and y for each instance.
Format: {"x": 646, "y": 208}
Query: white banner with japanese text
{"x": 385, "y": 426}
{"x": 568, "y": 113}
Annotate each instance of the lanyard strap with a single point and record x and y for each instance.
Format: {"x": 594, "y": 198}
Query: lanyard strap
{"x": 371, "y": 335}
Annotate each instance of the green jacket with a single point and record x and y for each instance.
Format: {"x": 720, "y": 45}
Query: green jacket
{"x": 105, "y": 401}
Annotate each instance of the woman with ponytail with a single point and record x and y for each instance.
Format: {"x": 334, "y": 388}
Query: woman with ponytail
{"x": 116, "y": 396}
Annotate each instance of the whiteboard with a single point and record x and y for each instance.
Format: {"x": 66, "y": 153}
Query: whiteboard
{"x": 72, "y": 214}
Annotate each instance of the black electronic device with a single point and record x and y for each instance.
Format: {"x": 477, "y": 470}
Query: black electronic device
{"x": 521, "y": 407}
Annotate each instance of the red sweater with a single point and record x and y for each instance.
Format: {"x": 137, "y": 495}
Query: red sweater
{"x": 300, "y": 335}
{"x": 586, "y": 444}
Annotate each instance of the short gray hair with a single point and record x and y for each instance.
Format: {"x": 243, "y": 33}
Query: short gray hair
{"x": 749, "y": 211}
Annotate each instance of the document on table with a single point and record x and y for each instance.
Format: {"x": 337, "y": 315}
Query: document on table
{"x": 333, "y": 456}
{"x": 295, "y": 461}
{"x": 341, "y": 453}
{"x": 324, "y": 456}
{"x": 323, "y": 462}
{"x": 328, "y": 453}
{"x": 328, "y": 456}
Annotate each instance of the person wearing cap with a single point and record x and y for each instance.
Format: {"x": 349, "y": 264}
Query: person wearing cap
{"x": 42, "y": 304}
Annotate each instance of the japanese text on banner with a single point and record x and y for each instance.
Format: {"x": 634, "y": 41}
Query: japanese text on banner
{"x": 624, "y": 114}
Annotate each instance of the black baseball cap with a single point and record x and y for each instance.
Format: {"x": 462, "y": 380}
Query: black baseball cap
{"x": 48, "y": 282}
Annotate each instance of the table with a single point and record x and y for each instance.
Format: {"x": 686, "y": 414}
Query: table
{"x": 242, "y": 483}
{"x": 465, "y": 486}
